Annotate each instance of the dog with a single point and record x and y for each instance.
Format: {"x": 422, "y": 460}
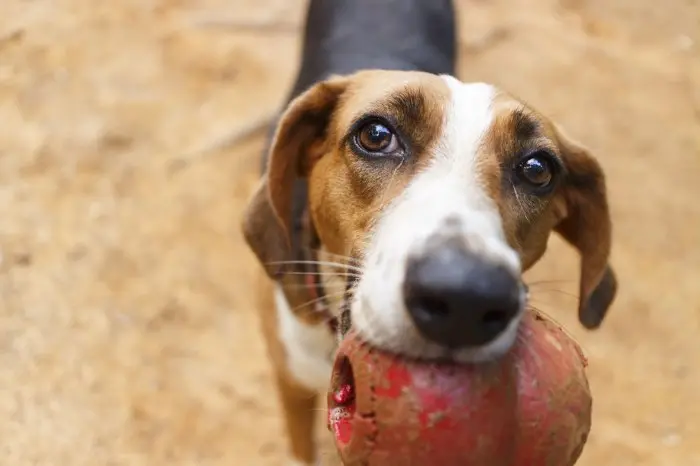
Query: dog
{"x": 405, "y": 204}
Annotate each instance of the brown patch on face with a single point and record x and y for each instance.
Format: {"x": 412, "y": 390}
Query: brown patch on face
{"x": 348, "y": 191}
{"x": 576, "y": 207}
{"x": 527, "y": 218}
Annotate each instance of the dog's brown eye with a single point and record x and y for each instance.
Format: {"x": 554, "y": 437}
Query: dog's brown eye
{"x": 536, "y": 170}
{"x": 376, "y": 137}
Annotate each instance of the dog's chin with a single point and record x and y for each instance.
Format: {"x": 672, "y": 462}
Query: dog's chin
{"x": 407, "y": 342}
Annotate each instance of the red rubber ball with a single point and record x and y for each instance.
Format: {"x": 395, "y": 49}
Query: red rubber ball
{"x": 532, "y": 407}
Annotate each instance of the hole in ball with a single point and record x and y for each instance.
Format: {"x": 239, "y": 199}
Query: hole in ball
{"x": 343, "y": 384}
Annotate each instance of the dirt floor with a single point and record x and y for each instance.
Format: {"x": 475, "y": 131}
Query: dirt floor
{"x": 127, "y": 331}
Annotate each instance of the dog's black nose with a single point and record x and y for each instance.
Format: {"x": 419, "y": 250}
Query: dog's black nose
{"x": 458, "y": 299}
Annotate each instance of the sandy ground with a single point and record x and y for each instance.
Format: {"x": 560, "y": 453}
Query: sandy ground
{"x": 127, "y": 332}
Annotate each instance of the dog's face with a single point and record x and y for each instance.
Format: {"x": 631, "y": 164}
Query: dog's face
{"x": 445, "y": 192}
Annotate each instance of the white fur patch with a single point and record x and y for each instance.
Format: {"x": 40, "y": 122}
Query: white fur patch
{"x": 309, "y": 348}
{"x": 446, "y": 199}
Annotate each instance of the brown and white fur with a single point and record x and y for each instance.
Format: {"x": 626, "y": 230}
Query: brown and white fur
{"x": 450, "y": 178}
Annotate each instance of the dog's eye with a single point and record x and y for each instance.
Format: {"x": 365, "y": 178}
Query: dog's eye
{"x": 376, "y": 137}
{"x": 536, "y": 169}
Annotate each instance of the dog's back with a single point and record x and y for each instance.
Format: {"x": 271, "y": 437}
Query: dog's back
{"x": 344, "y": 36}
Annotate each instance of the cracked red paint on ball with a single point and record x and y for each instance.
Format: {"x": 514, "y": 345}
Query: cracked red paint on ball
{"x": 531, "y": 408}
{"x": 340, "y": 416}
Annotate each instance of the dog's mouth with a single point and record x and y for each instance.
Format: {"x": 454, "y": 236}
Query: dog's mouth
{"x": 413, "y": 343}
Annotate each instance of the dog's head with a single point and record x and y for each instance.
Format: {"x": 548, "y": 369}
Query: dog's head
{"x": 446, "y": 192}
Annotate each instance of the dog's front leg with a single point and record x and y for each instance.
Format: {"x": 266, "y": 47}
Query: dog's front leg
{"x": 298, "y": 406}
{"x": 298, "y": 402}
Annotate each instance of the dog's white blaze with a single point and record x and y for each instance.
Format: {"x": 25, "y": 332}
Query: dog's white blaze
{"x": 309, "y": 348}
{"x": 447, "y": 199}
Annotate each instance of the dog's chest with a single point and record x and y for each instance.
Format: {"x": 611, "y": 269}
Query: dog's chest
{"x": 309, "y": 348}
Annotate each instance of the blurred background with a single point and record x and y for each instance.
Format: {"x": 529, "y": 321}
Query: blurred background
{"x": 130, "y": 133}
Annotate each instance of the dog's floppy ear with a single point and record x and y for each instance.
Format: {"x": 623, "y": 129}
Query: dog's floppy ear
{"x": 295, "y": 146}
{"x": 588, "y": 227}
